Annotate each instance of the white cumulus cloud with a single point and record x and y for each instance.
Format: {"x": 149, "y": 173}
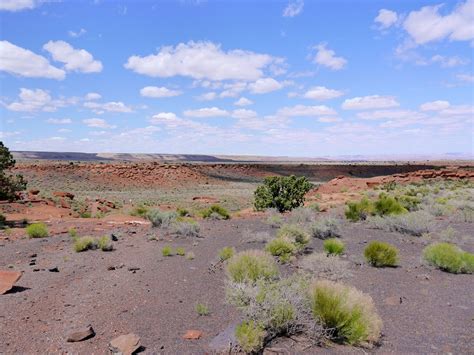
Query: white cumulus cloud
{"x": 112, "y": 106}
{"x": 18, "y": 5}
{"x": 302, "y": 110}
{"x": 434, "y": 105}
{"x": 264, "y": 85}
{"x": 243, "y": 101}
{"x": 158, "y": 92}
{"x": 206, "y": 112}
{"x": 78, "y": 60}
{"x": 327, "y": 57}
{"x": 97, "y": 123}
{"x": 386, "y": 18}
{"x": 20, "y": 61}
{"x": 202, "y": 60}
{"x": 370, "y": 102}
{"x": 322, "y": 93}
{"x": 59, "y": 121}
{"x": 293, "y": 8}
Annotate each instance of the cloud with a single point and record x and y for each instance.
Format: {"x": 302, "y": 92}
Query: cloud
{"x": 97, "y": 123}
{"x": 19, "y": 5}
{"x": 329, "y": 119}
{"x": 448, "y": 62}
{"x": 93, "y": 96}
{"x": 243, "y": 114}
{"x": 158, "y": 92}
{"x": 327, "y": 58}
{"x": 466, "y": 77}
{"x": 77, "y": 34}
{"x": 391, "y": 114}
{"x": 386, "y": 18}
{"x": 208, "y": 96}
{"x": 370, "y": 102}
{"x": 434, "y": 105}
{"x": 202, "y": 60}
{"x": 37, "y": 100}
{"x": 78, "y": 60}
{"x": 302, "y": 110}
{"x": 243, "y": 101}
{"x": 293, "y": 9}
{"x": 112, "y": 106}
{"x": 206, "y": 112}
{"x": 59, "y": 121}
{"x": 428, "y": 25}
{"x": 19, "y": 61}
{"x": 322, "y": 93}
{"x": 467, "y": 110}
{"x": 265, "y": 85}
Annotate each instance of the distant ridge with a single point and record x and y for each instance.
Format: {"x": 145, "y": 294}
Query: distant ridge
{"x": 203, "y": 158}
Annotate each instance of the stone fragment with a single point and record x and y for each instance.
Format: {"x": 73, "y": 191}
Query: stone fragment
{"x": 81, "y": 334}
{"x": 125, "y": 344}
{"x": 192, "y": 334}
{"x": 8, "y": 279}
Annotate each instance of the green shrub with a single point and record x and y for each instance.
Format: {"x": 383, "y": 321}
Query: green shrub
{"x": 411, "y": 203}
{"x": 414, "y": 223}
{"x": 160, "y": 218}
{"x": 226, "y": 253}
{"x": 334, "y": 246}
{"x": 275, "y": 220}
{"x": 294, "y": 234}
{"x": 380, "y": 254}
{"x": 250, "y": 336}
{"x": 448, "y": 257}
{"x": 3, "y": 220}
{"x": 84, "y": 243}
{"x": 189, "y": 228}
{"x": 324, "y": 228}
{"x": 9, "y": 184}
{"x": 202, "y": 309}
{"x": 182, "y": 212}
{"x": 282, "y": 248}
{"x": 282, "y": 193}
{"x": 216, "y": 212}
{"x": 357, "y": 211}
{"x": 346, "y": 313}
{"x": 167, "y": 251}
{"x": 387, "y": 205}
{"x": 180, "y": 251}
{"x": 37, "y": 230}
{"x": 250, "y": 266}
{"x": 105, "y": 243}
{"x": 72, "y": 232}
{"x": 140, "y": 211}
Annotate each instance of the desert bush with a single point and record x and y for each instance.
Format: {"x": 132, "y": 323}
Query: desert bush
{"x": 9, "y": 184}
{"x": 183, "y": 212}
{"x": 250, "y": 336}
{"x": 226, "y": 253}
{"x": 294, "y": 234}
{"x": 216, "y": 212}
{"x": 282, "y": 193}
{"x": 202, "y": 309}
{"x": 3, "y": 220}
{"x": 180, "y": 251}
{"x": 315, "y": 207}
{"x": 348, "y": 314}
{"x": 167, "y": 251}
{"x": 84, "y": 243}
{"x": 189, "y": 228}
{"x": 190, "y": 255}
{"x": 410, "y": 203}
{"x": 388, "y": 205}
{"x": 250, "y": 266}
{"x": 324, "y": 266}
{"x": 72, "y": 232}
{"x": 105, "y": 243}
{"x": 282, "y": 248}
{"x": 334, "y": 246}
{"x": 380, "y": 254}
{"x": 249, "y": 236}
{"x": 37, "y": 230}
{"x": 301, "y": 215}
{"x": 274, "y": 219}
{"x": 449, "y": 257}
{"x": 413, "y": 223}
{"x": 325, "y": 227}
{"x": 161, "y": 218}
{"x": 357, "y": 211}
{"x": 139, "y": 211}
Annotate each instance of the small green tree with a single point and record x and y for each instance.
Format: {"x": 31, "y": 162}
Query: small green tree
{"x": 9, "y": 184}
{"x": 282, "y": 193}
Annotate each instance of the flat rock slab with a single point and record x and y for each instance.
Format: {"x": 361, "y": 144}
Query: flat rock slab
{"x": 225, "y": 340}
{"x": 81, "y": 334}
{"x": 8, "y": 279}
{"x": 125, "y": 344}
{"x": 192, "y": 334}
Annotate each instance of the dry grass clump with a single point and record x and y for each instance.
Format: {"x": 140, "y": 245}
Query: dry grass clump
{"x": 334, "y": 246}
{"x": 216, "y": 212}
{"x": 105, "y": 243}
{"x": 249, "y": 236}
{"x": 301, "y": 215}
{"x": 250, "y": 336}
{"x": 226, "y": 253}
{"x": 450, "y": 258}
{"x": 323, "y": 266}
{"x": 294, "y": 234}
{"x": 326, "y": 227}
{"x": 161, "y": 218}
{"x": 380, "y": 254}
{"x": 348, "y": 314}
{"x": 414, "y": 223}
{"x": 282, "y": 248}
{"x": 274, "y": 218}
{"x": 84, "y": 243}
{"x": 37, "y": 230}
{"x": 186, "y": 228}
{"x": 250, "y": 266}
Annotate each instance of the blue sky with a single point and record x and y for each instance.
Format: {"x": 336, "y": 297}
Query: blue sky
{"x": 297, "y": 78}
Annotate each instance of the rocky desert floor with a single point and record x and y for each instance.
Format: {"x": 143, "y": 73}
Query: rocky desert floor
{"x": 135, "y": 289}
